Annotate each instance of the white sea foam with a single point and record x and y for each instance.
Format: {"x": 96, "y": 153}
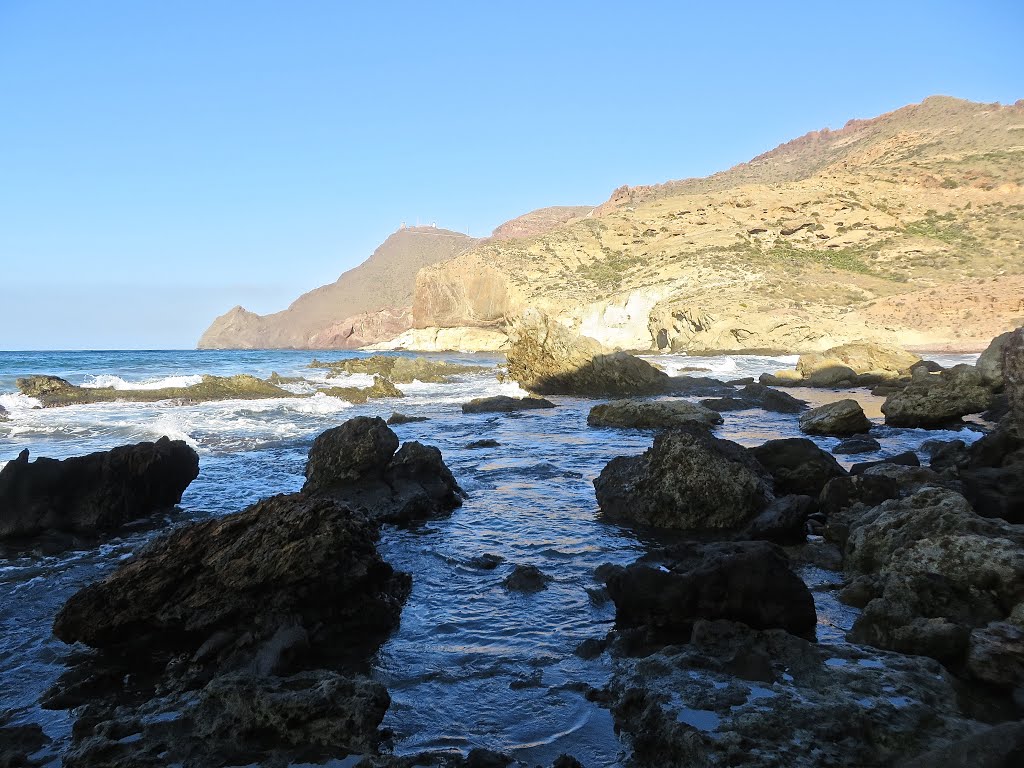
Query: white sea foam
{"x": 116, "y": 382}
{"x": 15, "y": 401}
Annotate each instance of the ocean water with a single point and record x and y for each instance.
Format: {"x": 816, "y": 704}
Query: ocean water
{"x": 472, "y": 665}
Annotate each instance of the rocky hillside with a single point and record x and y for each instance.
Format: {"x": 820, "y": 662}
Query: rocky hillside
{"x": 906, "y": 228}
{"x": 366, "y": 304}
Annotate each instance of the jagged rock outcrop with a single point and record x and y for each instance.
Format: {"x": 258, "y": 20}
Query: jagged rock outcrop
{"x": 93, "y": 493}
{"x": 381, "y": 388}
{"x": 547, "y": 358}
{"x": 540, "y": 221}
{"x": 687, "y": 480}
{"x": 840, "y": 418}
{"x": 365, "y": 305}
{"x": 651, "y": 414}
{"x": 934, "y": 400}
{"x": 360, "y": 463}
{"x": 757, "y": 396}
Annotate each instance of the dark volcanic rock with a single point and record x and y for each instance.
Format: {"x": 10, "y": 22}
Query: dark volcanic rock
{"x": 244, "y": 574}
{"x": 485, "y": 443}
{"x": 905, "y": 459}
{"x": 797, "y": 465}
{"x": 357, "y": 463}
{"x": 784, "y": 521}
{"x": 402, "y": 418}
{"x": 688, "y": 480}
{"x": 96, "y": 492}
{"x": 505, "y": 404}
{"x": 526, "y": 578}
{"x": 857, "y": 444}
{"x": 748, "y": 582}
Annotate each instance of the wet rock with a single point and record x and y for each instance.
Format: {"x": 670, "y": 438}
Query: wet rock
{"x": 4, "y": 416}
{"x": 547, "y": 358}
{"x": 910, "y": 479}
{"x": 486, "y": 561}
{"x": 857, "y": 444}
{"x": 361, "y": 447}
{"x": 651, "y": 414}
{"x": 937, "y": 400}
{"x": 843, "y": 417}
{"x": 526, "y": 578}
{"x": 591, "y": 648}
{"x": 486, "y": 443}
{"x": 999, "y": 746}
{"x": 687, "y": 480}
{"x": 947, "y": 456}
{"x": 990, "y": 362}
{"x": 382, "y": 387}
{"x": 807, "y": 705}
{"x": 52, "y": 391}
{"x": 757, "y": 396}
{"x": 402, "y": 418}
{"x": 357, "y": 463}
{"x": 784, "y": 521}
{"x": 996, "y": 491}
{"x": 905, "y": 459}
{"x": 748, "y": 582}
{"x": 18, "y": 743}
{"x": 244, "y": 574}
{"x": 92, "y": 493}
{"x": 505, "y": 404}
{"x": 797, "y": 465}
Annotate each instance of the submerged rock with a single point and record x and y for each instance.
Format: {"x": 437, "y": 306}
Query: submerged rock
{"x": 526, "y": 578}
{"x": 397, "y": 418}
{"x": 797, "y": 465}
{"x": 843, "y": 417}
{"x": 547, "y": 358}
{"x": 687, "y": 480}
{"x": 52, "y": 391}
{"x": 748, "y": 582}
{"x": 857, "y": 444}
{"x": 93, "y": 493}
{"x": 937, "y": 400}
{"x": 485, "y": 443}
{"x": 400, "y": 369}
{"x": 382, "y": 387}
{"x": 505, "y": 404}
{"x": 651, "y": 414}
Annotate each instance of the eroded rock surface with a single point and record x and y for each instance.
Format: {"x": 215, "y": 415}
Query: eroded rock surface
{"x": 651, "y": 414}
{"x": 841, "y": 418}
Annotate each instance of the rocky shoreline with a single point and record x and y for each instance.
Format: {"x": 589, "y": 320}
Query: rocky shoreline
{"x": 249, "y": 637}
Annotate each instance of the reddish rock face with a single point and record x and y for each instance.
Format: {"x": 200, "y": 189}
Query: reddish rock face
{"x": 362, "y": 330}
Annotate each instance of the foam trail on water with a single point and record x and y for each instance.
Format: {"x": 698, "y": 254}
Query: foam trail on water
{"x": 116, "y": 382}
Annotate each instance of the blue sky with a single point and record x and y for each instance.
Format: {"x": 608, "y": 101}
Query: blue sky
{"x": 161, "y": 162}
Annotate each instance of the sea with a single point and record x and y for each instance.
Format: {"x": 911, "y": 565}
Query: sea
{"x": 472, "y": 664}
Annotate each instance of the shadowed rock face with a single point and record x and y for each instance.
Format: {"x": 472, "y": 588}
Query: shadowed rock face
{"x": 797, "y": 465}
{"x": 92, "y": 493}
{"x": 687, "y": 480}
{"x": 935, "y": 400}
{"x": 547, "y": 358}
{"x": 1013, "y": 376}
{"x": 749, "y": 582}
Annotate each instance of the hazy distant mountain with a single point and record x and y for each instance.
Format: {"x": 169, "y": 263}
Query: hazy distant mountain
{"x": 368, "y": 303}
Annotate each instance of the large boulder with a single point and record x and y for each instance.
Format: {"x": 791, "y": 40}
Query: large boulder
{"x": 937, "y": 400}
{"x": 651, "y": 414}
{"x": 547, "y": 358}
{"x": 841, "y": 418}
{"x": 357, "y": 462}
{"x": 687, "y": 480}
{"x": 797, "y": 465}
{"x": 748, "y": 582}
{"x": 990, "y": 362}
{"x": 935, "y": 571}
{"x": 244, "y": 575}
{"x": 97, "y": 492}
{"x": 859, "y": 357}
{"x": 757, "y": 396}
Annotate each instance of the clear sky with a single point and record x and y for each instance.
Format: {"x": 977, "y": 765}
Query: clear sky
{"x": 161, "y": 162}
